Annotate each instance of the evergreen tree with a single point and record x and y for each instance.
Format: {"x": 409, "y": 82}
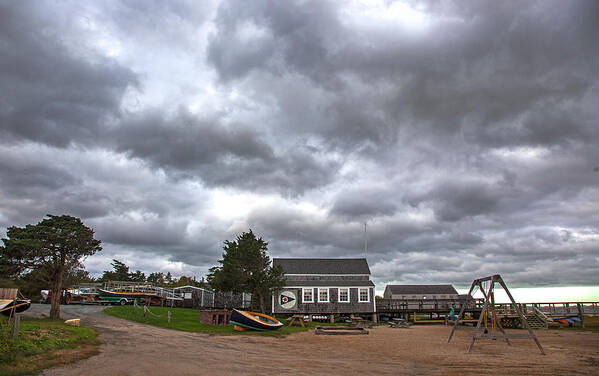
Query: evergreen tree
{"x": 156, "y": 278}
{"x": 52, "y": 249}
{"x": 119, "y": 272}
{"x": 245, "y": 267}
{"x": 138, "y": 276}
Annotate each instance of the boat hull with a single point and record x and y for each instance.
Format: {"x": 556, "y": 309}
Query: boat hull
{"x": 251, "y": 320}
{"x": 17, "y": 305}
{"x": 116, "y": 296}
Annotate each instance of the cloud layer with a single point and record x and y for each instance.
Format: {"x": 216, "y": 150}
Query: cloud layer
{"x": 463, "y": 133}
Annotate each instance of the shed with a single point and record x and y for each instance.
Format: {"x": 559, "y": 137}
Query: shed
{"x": 195, "y": 297}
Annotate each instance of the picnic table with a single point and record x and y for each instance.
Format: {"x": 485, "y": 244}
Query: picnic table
{"x": 359, "y": 322}
{"x": 299, "y": 318}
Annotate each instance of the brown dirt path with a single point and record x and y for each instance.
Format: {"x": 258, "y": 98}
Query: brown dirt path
{"x": 135, "y": 349}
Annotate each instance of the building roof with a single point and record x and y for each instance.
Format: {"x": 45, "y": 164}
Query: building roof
{"x": 360, "y": 283}
{"x": 322, "y": 265}
{"x": 189, "y": 286}
{"x": 421, "y": 289}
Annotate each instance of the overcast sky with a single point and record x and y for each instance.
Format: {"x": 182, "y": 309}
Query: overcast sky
{"x": 464, "y": 134}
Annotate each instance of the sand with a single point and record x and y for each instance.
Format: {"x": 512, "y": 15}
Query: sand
{"x": 135, "y": 349}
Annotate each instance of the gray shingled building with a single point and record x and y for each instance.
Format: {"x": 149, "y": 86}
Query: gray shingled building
{"x": 339, "y": 287}
{"x": 410, "y": 292}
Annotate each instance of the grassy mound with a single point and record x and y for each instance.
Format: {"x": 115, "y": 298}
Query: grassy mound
{"x": 189, "y": 320}
{"x": 43, "y": 343}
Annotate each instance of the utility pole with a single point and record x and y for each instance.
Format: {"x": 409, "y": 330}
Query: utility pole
{"x": 365, "y": 242}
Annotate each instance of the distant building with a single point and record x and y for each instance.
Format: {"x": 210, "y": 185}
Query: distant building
{"x": 195, "y": 297}
{"x": 420, "y": 292}
{"x": 325, "y": 286}
{"x": 230, "y": 300}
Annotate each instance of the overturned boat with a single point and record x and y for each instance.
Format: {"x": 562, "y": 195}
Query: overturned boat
{"x": 254, "y": 321}
{"x": 8, "y": 307}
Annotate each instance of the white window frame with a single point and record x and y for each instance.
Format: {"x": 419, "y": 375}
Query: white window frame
{"x": 360, "y": 295}
{"x": 311, "y": 289}
{"x": 328, "y": 295}
{"x": 339, "y": 295}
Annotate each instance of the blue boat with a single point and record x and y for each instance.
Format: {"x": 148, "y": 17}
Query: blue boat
{"x": 254, "y": 321}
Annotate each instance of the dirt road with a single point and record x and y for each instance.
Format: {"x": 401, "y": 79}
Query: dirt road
{"x": 135, "y": 349}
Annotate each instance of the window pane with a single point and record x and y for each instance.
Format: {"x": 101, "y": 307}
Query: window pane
{"x": 344, "y": 295}
{"x": 363, "y": 295}
{"x": 308, "y": 295}
{"x": 323, "y": 295}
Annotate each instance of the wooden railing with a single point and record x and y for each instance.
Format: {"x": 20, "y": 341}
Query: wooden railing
{"x": 147, "y": 288}
{"x": 402, "y": 305}
{"x": 504, "y": 309}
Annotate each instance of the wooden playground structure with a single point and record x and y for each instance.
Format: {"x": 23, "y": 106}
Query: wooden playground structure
{"x": 489, "y": 314}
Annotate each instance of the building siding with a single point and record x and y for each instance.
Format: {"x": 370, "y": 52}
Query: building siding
{"x": 332, "y": 307}
{"x": 200, "y": 298}
{"x": 292, "y": 278}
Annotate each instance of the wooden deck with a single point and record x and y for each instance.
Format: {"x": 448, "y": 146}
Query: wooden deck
{"x": 439, "y": 308}
{"x": 426, "y": 305}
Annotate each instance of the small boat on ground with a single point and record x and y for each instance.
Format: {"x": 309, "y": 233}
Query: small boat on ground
{"x": 7, "y": 306}
{"x": 254, "y": 320}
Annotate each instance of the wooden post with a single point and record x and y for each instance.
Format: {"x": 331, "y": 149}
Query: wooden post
{"x": 168, "y": 315}
{"x": 497, "y": 321}
{"x": 482, "y": 314}
{"x": 460, "y": 315}
{"x": 145, "y": 310}
{"x": 14, "y": 333}
{"x": 580, "y": 313}
{"x": 522, "y": 318}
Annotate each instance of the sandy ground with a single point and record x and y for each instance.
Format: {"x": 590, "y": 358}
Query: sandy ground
{"x": 135, "y": 349}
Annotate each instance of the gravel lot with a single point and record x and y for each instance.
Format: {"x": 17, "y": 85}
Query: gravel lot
{"x": 136, "y": 349}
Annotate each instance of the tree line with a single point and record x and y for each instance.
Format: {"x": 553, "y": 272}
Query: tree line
{"x": 50, "y": 254}
{"x": 120, "y": 272}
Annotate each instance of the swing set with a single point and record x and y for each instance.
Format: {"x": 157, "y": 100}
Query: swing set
{"x": 488, "y": 315}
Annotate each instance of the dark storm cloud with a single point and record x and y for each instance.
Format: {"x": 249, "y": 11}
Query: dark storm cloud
{"x": 142, "y": 232}
{"x": 466, "y": 138}
{"x": 364, "y": 202}
{"x": 32, "y": 187}
{"x": 485, "y": 69}
{"x": 222, "y": 154}
{"x": 20, "y": 176}
{"x": 185, "y": 142}
{"x": 282, "y": 37}
{"x": 453, "y": 200}
{"x": 58, "y": 97}
{"x": 51, "y": 93}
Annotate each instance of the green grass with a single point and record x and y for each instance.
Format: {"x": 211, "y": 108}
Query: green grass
{"x": 189, "y": 320}
{"x": 43, "y": 343}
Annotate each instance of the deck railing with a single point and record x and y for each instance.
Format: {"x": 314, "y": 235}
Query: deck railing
{"x": 390, "y": 305}
{"x": 146, "y": 288}
{"x": 505, "y": 309}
